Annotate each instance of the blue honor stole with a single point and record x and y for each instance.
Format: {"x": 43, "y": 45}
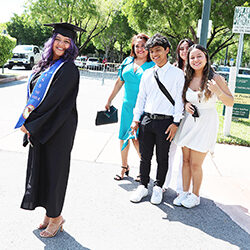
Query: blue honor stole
{"x": 39, "y": 91}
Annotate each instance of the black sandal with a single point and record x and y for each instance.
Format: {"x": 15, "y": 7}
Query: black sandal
{"x": 138, "y": 178}
{"x": 118, "y": 177}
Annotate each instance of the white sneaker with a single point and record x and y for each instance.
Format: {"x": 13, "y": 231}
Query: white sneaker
{"x": 157, "y": 195}
{"x": 139, "y": 193}
{"x": 191, "y": 201}
{"x": 181, "y": 197}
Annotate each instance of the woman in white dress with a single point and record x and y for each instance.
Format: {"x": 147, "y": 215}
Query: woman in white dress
{"x": 197, "y": 133}
{"x": 181, "y": 59}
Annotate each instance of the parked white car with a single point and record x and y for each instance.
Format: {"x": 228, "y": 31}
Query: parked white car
{"x": 81, "y": 61}
{"x": 93, "y": 63}
{"x": 25, "y": 55}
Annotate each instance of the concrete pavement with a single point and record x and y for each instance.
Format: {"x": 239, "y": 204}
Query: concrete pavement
{"x": 10, "y": 78}
{"x": 97, "y": 209}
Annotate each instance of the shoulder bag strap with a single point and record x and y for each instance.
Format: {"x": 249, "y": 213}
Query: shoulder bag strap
{"x": 163, "y": 89}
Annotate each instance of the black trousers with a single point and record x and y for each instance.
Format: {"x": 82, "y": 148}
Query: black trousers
{"x": 152, "y": 133}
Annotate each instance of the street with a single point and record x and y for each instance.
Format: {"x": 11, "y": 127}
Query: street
{"x": 17, "y": 70}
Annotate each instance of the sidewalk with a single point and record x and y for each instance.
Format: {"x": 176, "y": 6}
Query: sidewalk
{"x": 99, "y": 215}
{"x": 97, "y": 209}
{"x": 10, "y": 78}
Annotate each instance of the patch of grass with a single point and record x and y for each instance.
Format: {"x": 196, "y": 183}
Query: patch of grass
{"x": 239, "y": 132}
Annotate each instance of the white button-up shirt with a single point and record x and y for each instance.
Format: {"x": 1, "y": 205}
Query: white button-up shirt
{"x": 150, "y": 98}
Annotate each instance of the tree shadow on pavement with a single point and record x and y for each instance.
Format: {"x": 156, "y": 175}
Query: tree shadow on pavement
{"x": 134, "y": 184}
{"x": 127, "y": 186}
{"x": 62, "y": 241}
{"x": 206, "y": 217}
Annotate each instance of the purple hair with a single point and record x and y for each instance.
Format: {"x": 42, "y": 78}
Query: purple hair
{"x": 47, "y": 56}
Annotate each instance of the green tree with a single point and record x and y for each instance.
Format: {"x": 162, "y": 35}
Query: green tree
{"x": 91, "y": 15}
{"x": 27, "y": 31}
{"x": 7, "y": 44}
{"x": 2, "y": 27}
{"x": 118, "y": 34}
{"x": 178, "y": 19}
{"x": 219, "y": 58}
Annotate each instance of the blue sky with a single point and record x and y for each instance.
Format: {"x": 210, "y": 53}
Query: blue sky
{"x": 8, "y": 7}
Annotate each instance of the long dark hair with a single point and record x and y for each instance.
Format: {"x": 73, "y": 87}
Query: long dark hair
{"x": 134, "y": 39}
{"x": 47, "y": 56}
{"x": 207, "y": 73}
{"x": 179, "y": 60}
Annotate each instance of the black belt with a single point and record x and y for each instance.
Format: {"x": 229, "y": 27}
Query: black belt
{"x": 158, "y": 116}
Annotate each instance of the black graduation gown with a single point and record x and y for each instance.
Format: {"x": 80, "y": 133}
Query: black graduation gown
{"x": 52, "y": 127}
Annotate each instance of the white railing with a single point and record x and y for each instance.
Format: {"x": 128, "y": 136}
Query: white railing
{"x": 100, "y": 71}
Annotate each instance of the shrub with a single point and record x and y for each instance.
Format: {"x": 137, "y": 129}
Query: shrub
{"x": 7, "y": 44}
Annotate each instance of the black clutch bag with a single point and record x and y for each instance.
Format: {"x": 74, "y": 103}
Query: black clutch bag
{"x": 196, "y": 112}
{"x": 107, "y": 116}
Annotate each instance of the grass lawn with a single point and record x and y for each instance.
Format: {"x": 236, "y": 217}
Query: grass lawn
{"x": 239, "y": 133}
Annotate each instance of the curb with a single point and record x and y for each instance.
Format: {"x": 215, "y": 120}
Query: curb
{"x": 11, "y": 79}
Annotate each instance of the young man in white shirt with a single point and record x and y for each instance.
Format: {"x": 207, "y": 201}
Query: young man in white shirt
{"x": 156, "y": 117}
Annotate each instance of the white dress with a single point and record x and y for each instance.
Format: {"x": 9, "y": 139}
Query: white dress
{"x": 199, "y": 133}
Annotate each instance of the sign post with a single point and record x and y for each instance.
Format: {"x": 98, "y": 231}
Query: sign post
{"x": 241, "y": 107}
{"x": 229, "y": 110}
{"x": 241, "y": 24}
{"x": 239, "y": 53}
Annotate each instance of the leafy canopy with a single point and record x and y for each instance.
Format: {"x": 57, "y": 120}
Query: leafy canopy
{"x": 7, "y": 44}
{"x": 179, "y": 19}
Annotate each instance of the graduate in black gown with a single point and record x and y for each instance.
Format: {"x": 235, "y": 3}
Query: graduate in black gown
{"x": 50, "y": 125}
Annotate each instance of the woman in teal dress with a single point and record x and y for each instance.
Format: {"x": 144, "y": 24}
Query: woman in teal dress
{"x": 129, "y": 75}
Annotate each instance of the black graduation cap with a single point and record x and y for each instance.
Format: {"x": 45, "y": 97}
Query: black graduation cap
{"x": 65, "y": 29}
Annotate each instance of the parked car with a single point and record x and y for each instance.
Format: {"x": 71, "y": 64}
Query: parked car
{"x": 244, "y": 71}
{"x": 93, "y": 63}
{"x": 25, "y": 55}
{"x": 225, "y": 70}
{"x": 81, "y": 61}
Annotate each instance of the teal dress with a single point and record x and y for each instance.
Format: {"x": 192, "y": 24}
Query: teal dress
{"x": 131, "y": 88}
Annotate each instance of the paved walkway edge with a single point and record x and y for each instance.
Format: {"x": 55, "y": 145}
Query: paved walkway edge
{"x": 12, "y": 78}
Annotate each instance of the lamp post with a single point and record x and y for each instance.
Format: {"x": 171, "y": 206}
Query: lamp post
{"x": 204, "y": 22}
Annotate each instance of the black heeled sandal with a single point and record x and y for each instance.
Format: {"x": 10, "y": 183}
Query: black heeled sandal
{"x": 138, "y": 178}
{"x": 118, "y": 177}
